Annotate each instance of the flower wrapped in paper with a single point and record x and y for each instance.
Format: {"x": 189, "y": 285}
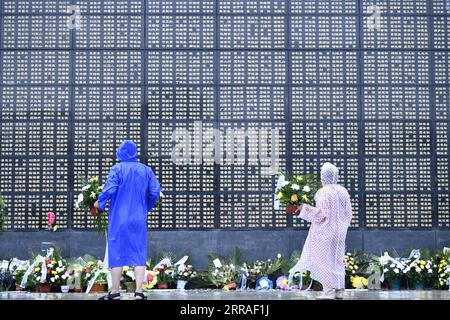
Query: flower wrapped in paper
{"x": 264, "y": 283}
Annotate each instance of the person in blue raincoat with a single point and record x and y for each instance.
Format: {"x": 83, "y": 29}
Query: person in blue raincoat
{"x": 133, "y": 190}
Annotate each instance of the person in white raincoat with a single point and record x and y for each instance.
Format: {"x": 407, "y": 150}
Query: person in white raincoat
{"x": 324, "y": 248}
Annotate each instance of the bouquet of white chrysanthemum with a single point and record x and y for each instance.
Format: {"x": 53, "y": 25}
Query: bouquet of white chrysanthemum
{"x": 393, "y": 268}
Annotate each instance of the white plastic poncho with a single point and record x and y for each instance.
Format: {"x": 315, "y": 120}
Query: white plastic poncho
{"x": 324, "y": 248}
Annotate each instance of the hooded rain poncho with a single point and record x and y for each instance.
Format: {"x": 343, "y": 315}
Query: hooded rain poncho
{"x": 324, "y": 248}
{"x": 133, "y": 190}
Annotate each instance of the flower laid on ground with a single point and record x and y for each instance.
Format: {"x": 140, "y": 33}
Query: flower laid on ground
{"x": 283, "y": 283}
{"x": 86, "y": 199}
{"x": 358, "y": 282}
{"x": 441, "y": 260}
{"x": 443, "y": 272}
{"x": 87, "y": 271}
{"x": 295, "y": 190}
{"x": 419, "y": 270}
{"x": 392, "y": 268}
{"x": 350, "y": 266}
{"x": 51, "y": 221}
{"x": 222, "y": 275}
{"x": 165, "y": 273}
{"x": 424, "y": 269}
{"x": 51, "y": 270}
{"x": 128, "y": 274}
{"x": 186, "y": 272}
{"x": 150, "y": 280}
{"x": 264, "y": 283}
{"x": 265, "y": 268}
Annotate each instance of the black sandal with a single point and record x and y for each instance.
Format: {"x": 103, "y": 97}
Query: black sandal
{"x": 141, "y": 295}
{"x": 111, "y": 296}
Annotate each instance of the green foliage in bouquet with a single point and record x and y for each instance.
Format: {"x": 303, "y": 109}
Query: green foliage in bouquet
{"x": 298, "y": 189}
{"x": 188, "y": 274}
{"x": 288, "y": 264}
{"x": 265, "y": 268}
{"x": 220, "y": 276}
{"x": 127, "y": 274}
{"x": 442, "y": 260}
{"x": 201, "y": 281}
{"x": 2, "y": 215}
{"x": 56, "y": 268}
{"x": 165, "y": 271}
{"x": 86, "y": 199}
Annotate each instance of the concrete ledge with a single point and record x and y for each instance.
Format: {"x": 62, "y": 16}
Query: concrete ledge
{"x": 255, "y": 244}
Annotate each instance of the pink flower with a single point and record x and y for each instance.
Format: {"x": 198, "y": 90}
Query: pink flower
{"x": 51, "y": 218}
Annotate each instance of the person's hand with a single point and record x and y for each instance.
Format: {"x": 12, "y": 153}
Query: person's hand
{"x": 96, "y": 205}
{"x": 299, "y": 208}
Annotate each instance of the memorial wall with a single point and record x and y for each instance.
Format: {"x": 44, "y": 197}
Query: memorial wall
{"x": 363, "y": 84}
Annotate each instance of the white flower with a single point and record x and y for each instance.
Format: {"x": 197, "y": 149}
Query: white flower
{"x": 52, "y": 279}
{"x": 88, "y": 275}
{"x": 306, "y": 189}
{"x": 279, "y": 256}
{"x": 356, "y": 267}
{"x": 64, "y": 276}
{"x": 392, "y": 265}
{"x": 84, "y": 188}
{"x": 430, "y": 271}
{"x": 231, "y": 266}
{"x": 60, "y": 263}
{"x": 295, "y": 186}
{"x": 396, "y": 270}
{"x": 38, "y": 278}
{"x": 418, "y": 269}
{"x": 386, "y": 270}
{"x": 285, "y": 183}
{"x": 56, "y": 277}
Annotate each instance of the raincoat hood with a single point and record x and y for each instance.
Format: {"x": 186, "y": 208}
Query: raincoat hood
{"x": 127, "y": 151}
{"x": 329, "y": 174}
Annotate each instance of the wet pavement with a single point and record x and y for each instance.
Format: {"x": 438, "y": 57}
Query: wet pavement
{"x": 238, "y": 295}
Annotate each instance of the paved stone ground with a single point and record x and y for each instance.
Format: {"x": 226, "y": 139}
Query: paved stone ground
{"x": 239, "y": 295}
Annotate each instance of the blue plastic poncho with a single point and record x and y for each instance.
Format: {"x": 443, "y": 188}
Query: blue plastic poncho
{"x": 133, "y": 190}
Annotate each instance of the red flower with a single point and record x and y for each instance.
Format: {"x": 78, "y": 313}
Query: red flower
{"x": 87, "y": 270}
{"x": 51, "y": 218}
